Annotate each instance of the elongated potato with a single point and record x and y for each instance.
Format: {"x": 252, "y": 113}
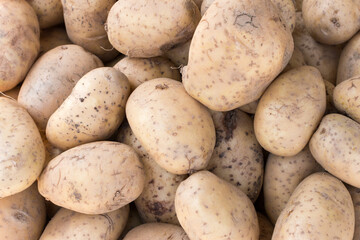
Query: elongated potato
{"x": 319, "y": 208}
{"x": 49, "y": 12}
{"x": 22, "y": 153}
{"x": 156, "y": 231}
{"x": 266, "y": 228}
{"x": 349, "y": 63}
{"x": 174, "y": 129}
{"x": 93, "y": 178}
{"x": 296, "y": 100}
{"x": 355, "y": 196}
{"x": 53, "y": 37}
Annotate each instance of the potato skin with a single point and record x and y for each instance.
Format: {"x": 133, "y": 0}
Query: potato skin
{"x": 319, "y": 208}
{"x": 297, "y": 60}
{"x": 266, "y": 228}
{"x": 49, "y": 12}
{"x": 52, "y": 78}
{"x": 334, "y": 146}
{"x": 78, "y": 181}
{"x": 22, "y": 150}
{"x": 156, "y": 231}
{"x": 53, "y": 37}
{"x": 174, "y": 129}
{"x": 19, "y": 41}
{"x": 355, "y": 196}
{"x": 296, "y": 100}
{"x": 179, "y": 54}
{"x": 349, "y": 61}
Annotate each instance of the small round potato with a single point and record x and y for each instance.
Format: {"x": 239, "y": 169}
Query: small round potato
{"x": 156, "y": 231}
{"x": 49, "y": 12}
{"x": 53, "y": 37}
{"x": 266, "y": 228}
{"x": 355, "y": 196}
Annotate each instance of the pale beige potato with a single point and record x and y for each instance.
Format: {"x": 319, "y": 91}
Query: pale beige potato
{"x": 52, "y": 78}
{"x": 49, "y": 12}
{"x": 211, "y": 208}
{"x": 331, "y": 22}
{"x": 334, "y": 146}
{"x": 319, "y": 208}
{"x": 297, "y": 60}
{"x": 53, "y": 37}
{"x": 296, "y": 100}
{"x": 156, "y": 231}
{"x": 234, "y": 53}
{"x": 67, "y": 224}
{"x": 355, "y": 196}
{"x": 250, "y": 107}
{"x": 179, "y": 54}
{"x": 93, "y": 111}
{"x": 266, "y": 227}
{"x": 12, "y": 94}
{"x": 349, "y": 63}
{"x": 149, "y": 29}
{"x": 22, "y": 154}
{"x": 237, "y": 157}
{"x": 282, "y": 176}
{"x": 19, "y": 41}
{"x": 85, "y": 25}
{"x": 173, "y": 128}
{"x": 140, "y": 70}
{"x": 93, "y": 178}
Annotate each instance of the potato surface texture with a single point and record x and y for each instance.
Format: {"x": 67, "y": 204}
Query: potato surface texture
{"x": 156, "y": 231}
{"x": 49, "y": 12}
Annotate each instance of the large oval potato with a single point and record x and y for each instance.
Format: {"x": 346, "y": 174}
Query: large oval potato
{"x": 93, "y": 178}
{"x": 355, "y": 196}
{"x": 52, "y": 78}
{"x": 53, "y": 37}
{"x": 211, "y": 208}
{"x": 334, "y": 146}
{"x": 22, "y": 153}
{"x": 296, "y": 100}
{"x": 319, "y": 208}
{"x": 19, "y": 41}
{"x": 49, "y": 12}
{"x": 156, "y": 231}
{"x": 174, "y": 129}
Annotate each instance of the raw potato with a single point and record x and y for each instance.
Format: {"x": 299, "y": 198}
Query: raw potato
{"x": 234, "y": 54}
{"x": 296, "y": 100}
{"x": 85, "y": 25}
{"x": 334, "y": 146}
{"x": 93, "y": 178}
{"x": 296, "y": 60}
{"x": 49, "y": 12}
{"x": 52, "y": 78}
{"x": 19, "y": 41}
{"x": 250, "y": 107}
{"x": 67, "y": 224}
{"x": 287, "y": 10}
{"x": 331, "y": 22}
{"x": 137, "y": 29}
{"x": 53, "y": 37}
{"x": 157, "y": 231}
{"x": 93, "y": 111}
{"x": 174, "y": 129}
{"x": 237, "y": 157}
{"x": 319, "y": 208}
{"x": 211, "y": 208}
{"x": 282, "y": 176}
{"x": 140, "y": 70}
{"x": 266, "y": 228}
{"x": 22, "y": 154}
{"x": 355, "y": 195}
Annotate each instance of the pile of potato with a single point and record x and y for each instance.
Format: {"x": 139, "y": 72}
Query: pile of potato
{"x": 182, "y": 119}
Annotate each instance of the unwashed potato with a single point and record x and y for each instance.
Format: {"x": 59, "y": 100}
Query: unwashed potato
{"x": 334, "y": 146}
{"x": 149, "y": 29}
{"x": 53, "y": 37}
{"x": 250, "y": 107}
{"x": 67, "y": 224}
{"x": 296, "y": 100}
{"x": 52, "y": 78}
{"x": 179, "y": 54}
{"x": 319, "y": 208}
{"x": 266, "y": 228}
{"x": 93, "y": 178}
{"x": 234, "y": 54}
{"x": 49, "y": 12}
{"x": 19, "y": 41}
{"x": 355, "y": 196}
{"x": 85, "y": 25}
{"x": 156, "y": 231}
{"x": 211, "y": 208}
{"x": 297, "y": 60}
{"x": 174, "y": 129}
{"x": 140, "y": 70}
{"x": 22, "y": 153}
{"x": 237, "y": 157}
{"x": 282, "y": 176}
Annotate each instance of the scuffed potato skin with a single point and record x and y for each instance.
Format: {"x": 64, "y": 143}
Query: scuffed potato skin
{"x": 49, "y": 12}
{"x": 156, "y": 231}
{"x": 53, "y": 37}
{"x": 266, "y": 228}
{"x": 355, "y": 196}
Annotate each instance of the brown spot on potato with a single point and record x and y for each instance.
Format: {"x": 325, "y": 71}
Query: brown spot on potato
{"x": 161, "y": 86}
{"x": 157, "y": 208}
{"x": 243, "y": 19}
{"x": 229, "y": 124}
{"x": 21, "y": 217}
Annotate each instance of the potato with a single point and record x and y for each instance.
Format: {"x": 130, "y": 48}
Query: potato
{"x": 19, "y": 41}
{"x": 22, "y": 152}
{"x": 237, "y": 157}
{"x": 211, "y": 208}
{"x": 282, "y": 176}
{"x": 174, "y": 129}
{"x": 296, "y": 60}
{"x": 52, "y": 78}
{"x": 296, "y": 100}
{"x": 334, "y": 146}
{"x": 266, "y": 228}
{"x": 139, "y": 30}
{"x": 250, "y": 107}
{"x": 156, "y": 231}
{"x": 234, "y": 54}
{"x": 331, "y": 22}
{"x": 93, "y": 111}
{"x": 85, "y": 26}
{"x": 179, "y": 54}
{"x": 139, "y": 70}
{"x": 67, "y": 224}
{"x": 355, "y": 196}
{"x": 93, "y": 178}
{"x": 53, "y": 37}
{"x": 319, "y": 208}
{"x": 349, "y": 63}
{"x": 156, "y": 202}
{"x": 49, "y": 12}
